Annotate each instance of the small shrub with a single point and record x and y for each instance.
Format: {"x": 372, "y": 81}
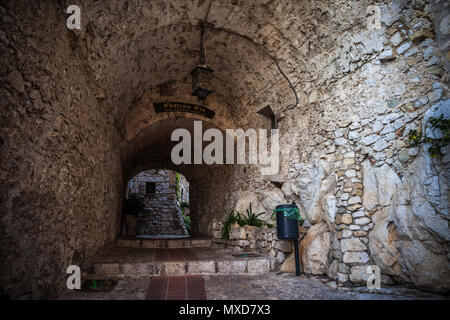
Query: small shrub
{"x": 186, "y": 218}
{"x": 233, "y": 217}
{"x": 184, "y": 204}
{"x": 416, "y": 137}
{"x": 187, "y": 222}
{"x": 251, "y": 219}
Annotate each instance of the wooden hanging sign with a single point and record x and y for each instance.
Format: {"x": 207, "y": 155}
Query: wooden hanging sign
{"x": 183, "y": 107}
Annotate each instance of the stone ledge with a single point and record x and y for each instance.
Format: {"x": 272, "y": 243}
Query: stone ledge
{"x": 250, "y": 266}
{"x": 164, "y": 243}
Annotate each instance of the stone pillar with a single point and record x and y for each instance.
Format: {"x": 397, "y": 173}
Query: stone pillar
{"x": 349, "y": 248}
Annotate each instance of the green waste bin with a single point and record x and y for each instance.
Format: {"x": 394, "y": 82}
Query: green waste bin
{"x": 288, "y": 219}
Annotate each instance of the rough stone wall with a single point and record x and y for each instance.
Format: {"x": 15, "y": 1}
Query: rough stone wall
{"x": 59, "y": 167}
{"x": 163, "y": 217}
{"x": 368, "y": 196}
{"x": 255, "y": 239}
{"x": 385, "y": 99}
{"x": 208, "y": 197}
{"x": 441, "y": 22}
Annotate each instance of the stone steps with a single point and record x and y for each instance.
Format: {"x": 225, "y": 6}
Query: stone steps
{"x": 119, "y": 261}
{"x": 249, "y": 266}
{"x": 165, "y": 243}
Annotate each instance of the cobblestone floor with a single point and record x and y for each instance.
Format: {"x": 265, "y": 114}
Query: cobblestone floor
{"x": 284, "y": 286}
{"x": 270, "y": 286}
{"x": 126, "y": 289}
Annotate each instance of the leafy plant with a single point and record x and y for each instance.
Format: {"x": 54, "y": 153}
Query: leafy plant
{"x": 178, "y": 190}
{"x": 134, "y": 205}
{"x": 184, "y": 204}
{"x": 233, "y": 217}
{"x": 251, "y": 219}
{"x": 186, "y": 218}
{"x": 177, "y": 186}
{"x": 187, "y": 222}
{"x": 416, "y": 137}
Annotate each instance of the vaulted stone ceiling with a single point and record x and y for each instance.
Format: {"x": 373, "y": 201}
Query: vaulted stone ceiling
{"x": 260, "y": 50}
{"x": 152, "y": 149}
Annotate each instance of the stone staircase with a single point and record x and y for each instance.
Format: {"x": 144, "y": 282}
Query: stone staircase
{"x": 174, "y": 257}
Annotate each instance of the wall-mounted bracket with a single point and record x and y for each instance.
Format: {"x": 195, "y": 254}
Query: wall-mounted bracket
{"x": 268, "y": 112}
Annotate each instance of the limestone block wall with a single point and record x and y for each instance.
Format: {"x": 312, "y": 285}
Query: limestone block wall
{"x": 369, "y": 197}
{"x": 255, "y": 239}
{"x": 164, "y": 216}
{"x": 410, "y": 79}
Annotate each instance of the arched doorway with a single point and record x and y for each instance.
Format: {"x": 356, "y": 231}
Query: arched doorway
{"x": 208, "y": 184}
{"x": 162, "y": 199}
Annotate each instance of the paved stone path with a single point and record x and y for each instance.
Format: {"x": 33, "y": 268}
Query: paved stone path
{"x": 126, "y": 289}
{"x": 174, "y": 255}
{"x": 271, "y": 286}
{"x": 177, "y": 288}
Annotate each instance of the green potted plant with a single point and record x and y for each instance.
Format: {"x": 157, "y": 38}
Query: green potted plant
{"x": 242, "y": 220}
{"x": 132, "y": 207}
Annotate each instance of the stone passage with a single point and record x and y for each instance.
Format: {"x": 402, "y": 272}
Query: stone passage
{"x": 177, "y": 288}
{"x": 77, "y": 122}
{"x": 163, "y": 191}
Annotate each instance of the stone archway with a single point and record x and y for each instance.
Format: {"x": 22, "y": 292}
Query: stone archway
{"x": 152, "y": 149}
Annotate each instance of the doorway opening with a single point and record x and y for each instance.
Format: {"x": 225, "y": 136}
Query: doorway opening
{"x": 157, "y": 205}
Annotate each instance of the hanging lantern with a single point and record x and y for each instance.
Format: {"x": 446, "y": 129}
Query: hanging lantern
{"x": 201, "y": 81}
{"x": 202, "y": 74}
